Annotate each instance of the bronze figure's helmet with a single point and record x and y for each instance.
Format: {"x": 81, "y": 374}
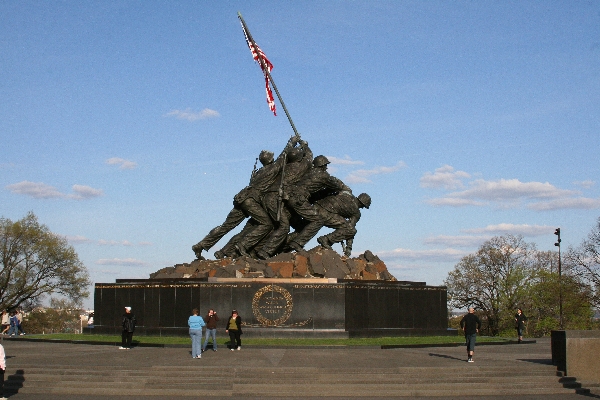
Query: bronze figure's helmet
{"x": 319, "y": 161}
{"x": 365, "y": 199}
{"x": 266, "y": 157}
{"x": 295, "y": 154}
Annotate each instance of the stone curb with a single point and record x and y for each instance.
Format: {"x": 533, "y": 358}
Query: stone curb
{"x": 343, "y": 347}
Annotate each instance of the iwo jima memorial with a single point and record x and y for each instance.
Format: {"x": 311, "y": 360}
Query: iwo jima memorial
{"x": 279, "y": 288}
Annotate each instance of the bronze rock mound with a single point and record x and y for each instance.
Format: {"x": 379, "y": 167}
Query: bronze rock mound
{"x": 315, "y": 263}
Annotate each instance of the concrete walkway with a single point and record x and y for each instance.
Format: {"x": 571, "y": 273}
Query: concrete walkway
{"x": 49, "y": 371}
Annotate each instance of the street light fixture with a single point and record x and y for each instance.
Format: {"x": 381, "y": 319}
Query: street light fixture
{"x": 557, "y": 233}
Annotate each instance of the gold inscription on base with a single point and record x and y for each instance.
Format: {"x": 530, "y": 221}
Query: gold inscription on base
{"x": 272, "y": 305}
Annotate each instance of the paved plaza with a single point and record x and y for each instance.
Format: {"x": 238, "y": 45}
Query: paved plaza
{"x": 42, "y": 370}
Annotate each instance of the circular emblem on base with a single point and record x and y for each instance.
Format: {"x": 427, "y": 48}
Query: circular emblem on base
{"x": 272, "y": 305}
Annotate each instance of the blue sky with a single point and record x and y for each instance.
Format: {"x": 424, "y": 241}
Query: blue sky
{"x": 128, "y": 127}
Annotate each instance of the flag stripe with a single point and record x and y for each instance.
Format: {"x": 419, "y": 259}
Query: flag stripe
{"x": 265, "y": 64}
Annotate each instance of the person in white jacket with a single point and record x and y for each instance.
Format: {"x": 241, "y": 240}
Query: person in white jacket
{"x": 2, "y": 370}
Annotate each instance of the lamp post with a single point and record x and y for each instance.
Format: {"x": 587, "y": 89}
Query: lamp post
{"x": 557, "y": 233}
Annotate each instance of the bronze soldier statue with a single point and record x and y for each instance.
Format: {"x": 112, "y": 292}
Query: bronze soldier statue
{"x": 298, "y": 164}
{"x": 340, "y": 212}
{"x": 298, "y": 199}
{"x": 247, "y": 203}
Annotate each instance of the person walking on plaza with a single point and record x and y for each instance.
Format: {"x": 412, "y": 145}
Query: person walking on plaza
{"x": 2, "y": 370}
{"x": 195, "y": 322}
{"x": 5, "y": 324}
{"x": 13, "y": 321}
{"x": 128, "y": 324}
{"x": 520, "y": 319}
{"x": 20, "y": 330}
{"x": 470, "y": 324}
{"x": 234, "y": 328}
{"x": 211, "y": 329}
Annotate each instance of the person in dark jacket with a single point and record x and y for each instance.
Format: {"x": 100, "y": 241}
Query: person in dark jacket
{"x": 520, "y": 319}
{"x": 211, "y": 320}
{"x": 470, "y": 324}
{"x": 128, "y": 324}
{"x": 234, "y": 328}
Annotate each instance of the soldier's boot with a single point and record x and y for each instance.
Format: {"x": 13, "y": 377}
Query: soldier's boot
{"x": 240, "y": 248}
{"x": 325, "y": 242}
{"x": 295, "y": 246}
{"x": 263, "y": 255}
{"x": 219, "y": 255}
{"x": 197, "y": 248}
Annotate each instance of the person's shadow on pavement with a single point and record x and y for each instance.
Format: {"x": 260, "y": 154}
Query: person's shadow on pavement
{"x": 446, "y": 356}
{"x": 14, "y": 382}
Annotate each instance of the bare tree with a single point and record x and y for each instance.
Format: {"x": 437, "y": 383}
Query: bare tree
{"x": 35, "y": 262}
{"x": 585, "y": 260}
{"x": 494, "y": 280}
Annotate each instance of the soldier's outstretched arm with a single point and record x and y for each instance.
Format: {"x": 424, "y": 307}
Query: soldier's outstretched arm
{"x": 289, "y": 145}
{"x": 354, "y": 219}
{"x": 308, "y": 154}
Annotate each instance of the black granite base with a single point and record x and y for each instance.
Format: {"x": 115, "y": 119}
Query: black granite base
{"x": 276, "y": 307}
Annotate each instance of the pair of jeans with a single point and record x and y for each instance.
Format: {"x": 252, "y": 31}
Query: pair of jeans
{"x": 196, "y": 335}
{"x": 207, "y": 335}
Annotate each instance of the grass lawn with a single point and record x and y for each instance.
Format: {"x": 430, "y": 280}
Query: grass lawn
{"x": 222, "y": 340}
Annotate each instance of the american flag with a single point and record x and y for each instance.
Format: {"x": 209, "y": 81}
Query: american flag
{"x": 265, "y": 64}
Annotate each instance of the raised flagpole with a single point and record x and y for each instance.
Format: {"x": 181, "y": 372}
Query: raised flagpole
{"x": 268, "y": 76}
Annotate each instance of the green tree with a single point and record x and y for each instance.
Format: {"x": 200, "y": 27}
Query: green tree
{"x": 35, "y": 263}
{"x": 543, "y": 303}
{"x": 495, "y": 280}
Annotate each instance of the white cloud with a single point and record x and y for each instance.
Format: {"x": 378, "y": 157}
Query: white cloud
{"x": 121, "y": 162}
{"x": 123, "y": 262}
{"x": 521, "y": 229}
{"x": 444, "y": 177}
{"x": 85, "y": 192}
{"x": 505, "y": 189}
{"x": 192, "y": 116}
{"x": 103, "y": 242}
{"x": 39, "y": 190}
{"x": 503, "y": 193}
{"x": 580, "y": 203}
{"x": 585, "y": 184}
{"x": 344, "y": 161}
{"x": 362, "y": 175}
{"x": 443, "y": 255}
{"x": 454, "y": 202}
{"x": 77, "y": 239}
{"x": 483, "y": 234}
{"x": 457, "y": 241}
{"x": 6, "y": 165}
{"x": 126, "y": 243}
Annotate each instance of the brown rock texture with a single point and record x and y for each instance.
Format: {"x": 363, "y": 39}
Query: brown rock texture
{"x": 314, "y": 263}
